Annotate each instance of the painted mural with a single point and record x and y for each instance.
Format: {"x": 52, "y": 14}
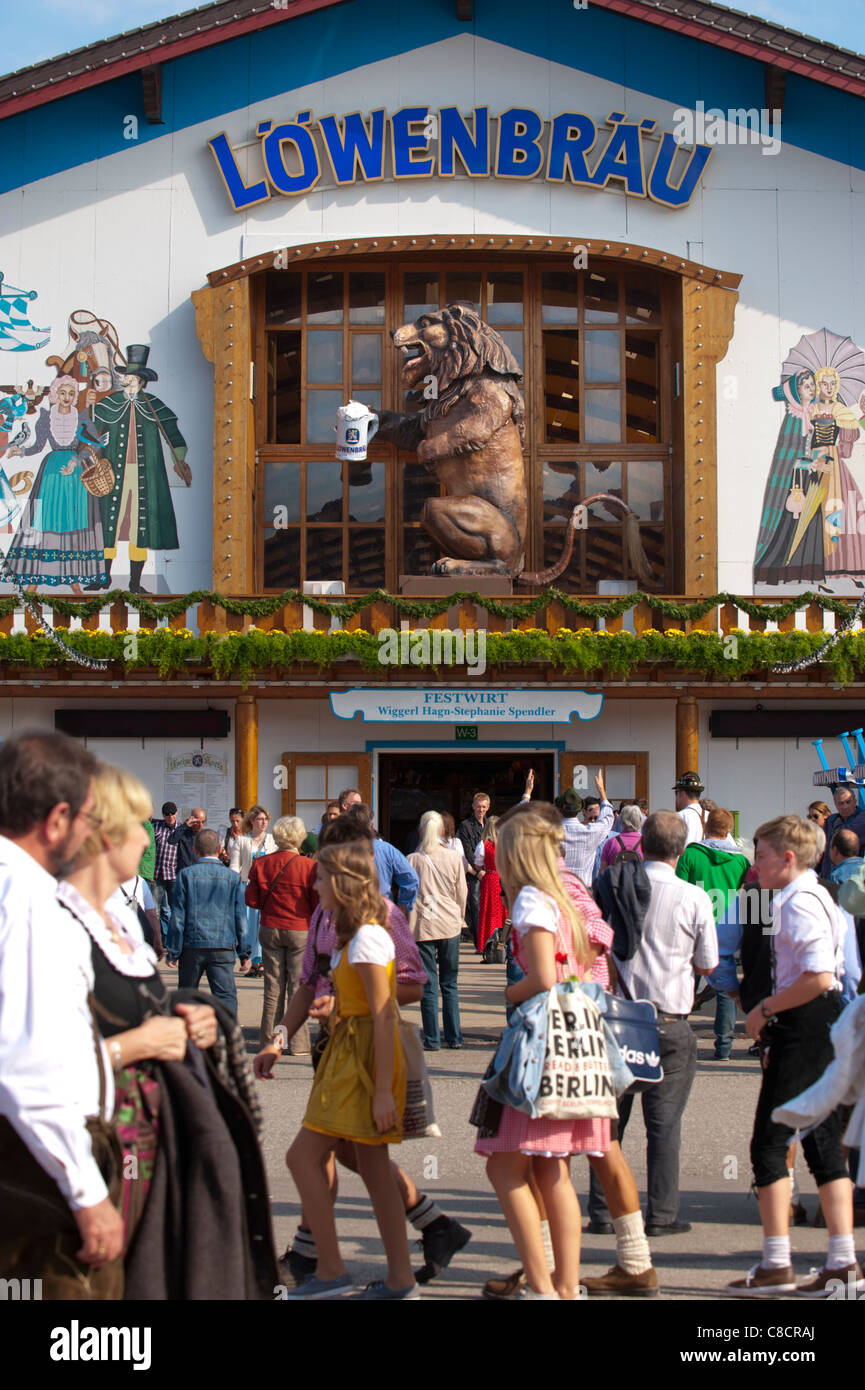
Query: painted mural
{"x": 100, "y": 446}
{"x": 17, "y": 333}
{"x": 811, "y": 528}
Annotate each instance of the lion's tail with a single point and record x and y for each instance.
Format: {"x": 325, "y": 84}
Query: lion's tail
{"x": 637, "y": 558}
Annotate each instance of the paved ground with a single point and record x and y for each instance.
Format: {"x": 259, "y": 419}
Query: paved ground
{"x": 715, "y": 1171}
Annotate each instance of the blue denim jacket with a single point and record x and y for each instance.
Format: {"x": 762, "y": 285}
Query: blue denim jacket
{"x": 208, "y": 910}
{"x": 519, "y": 1059}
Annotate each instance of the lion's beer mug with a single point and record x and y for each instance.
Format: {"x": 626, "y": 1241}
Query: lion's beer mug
{"x": 355, "y": 426}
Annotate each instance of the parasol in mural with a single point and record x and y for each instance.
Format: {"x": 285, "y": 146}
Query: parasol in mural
{"x": 17, "y": 333}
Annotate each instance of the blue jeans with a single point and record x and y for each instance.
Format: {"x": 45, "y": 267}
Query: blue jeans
{"x": 725, "y": 1024}
{"x": 163, "y": 893}
{"x": 217, "y": 963}
{"x": 441, "y": 961}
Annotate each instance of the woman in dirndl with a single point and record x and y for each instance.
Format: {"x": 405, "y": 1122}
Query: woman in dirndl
{"x": 360, "y": 1083}
{"x": 550, "y": 945}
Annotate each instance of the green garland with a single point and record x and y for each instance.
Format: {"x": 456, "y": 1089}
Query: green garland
{"x": 347, "y": 608}
{"x": 240, "y": 655}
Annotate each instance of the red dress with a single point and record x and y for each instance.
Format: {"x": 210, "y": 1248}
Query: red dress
{"x": 491, "y": 909}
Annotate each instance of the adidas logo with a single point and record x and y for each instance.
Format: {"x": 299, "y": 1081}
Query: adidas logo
{"x": 640, "y": 1059}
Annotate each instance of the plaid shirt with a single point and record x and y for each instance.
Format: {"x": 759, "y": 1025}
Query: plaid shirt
{"x": 165, "y": 869}
{"x": 582, "y": 842}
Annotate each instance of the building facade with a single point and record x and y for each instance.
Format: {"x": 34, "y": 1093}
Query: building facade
{"x": 211, "y": 228}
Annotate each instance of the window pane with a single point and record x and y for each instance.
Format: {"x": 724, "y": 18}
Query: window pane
{"x": 282, "y": 559}
{"x": 339, "y": 777}
{"x": 365, "y": 297}
{"x": 514, "y": 339}
{"x": 619, "y": 779}
{"x": 309, "y": 782}
{"x": 324, "y": 490}
{"x": 603, "y": 424}
{"x": 562, "y": 386}
{"x": 600, "y": 298}
{"x": 310, "y": 812}
{"x": 601, "y": 356}
{"x": 646, "y": 489}
{"x": 464, "y": 286}
{"x": 323, "y": 553}
{"x": 603, "y": 477}
{"x": 366, "y": 491}
{"x": 323, "y": 357}
{"x": 417, "y": 485}
{"x": 283, "y": 388}
{"x": 643, "y": 387}
{"x": 561, "y": 490}
{"x": 281, "y": 489}
{"x": 504, "y": 297}
{"x": 656, "y": 550}
{"x": 420, "y": 294}
{"x": 366, "y": 559}
{"x": 282, "y": 297}
{"x": 642, "y": 299}
{"x": 365, "y": 358}
{"x": 369, "y": 398}
{"x": 604, "y": 551}
{"x": 559, "y": 296}
{"x": 418, "y": 551}
{"x": 321, "y": 408}
{"x": 323, "y": 297}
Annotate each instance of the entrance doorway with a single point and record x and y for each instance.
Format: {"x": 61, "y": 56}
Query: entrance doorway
{"x": 411, "y": 783}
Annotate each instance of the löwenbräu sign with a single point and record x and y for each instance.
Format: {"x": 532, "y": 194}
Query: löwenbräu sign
{"x": 421, "y": 142}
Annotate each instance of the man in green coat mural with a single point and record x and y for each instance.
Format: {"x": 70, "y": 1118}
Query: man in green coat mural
{"x": 139, "y": 507}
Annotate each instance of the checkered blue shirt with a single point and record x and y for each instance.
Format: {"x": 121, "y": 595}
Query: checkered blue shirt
{"x": 165, "y": 868}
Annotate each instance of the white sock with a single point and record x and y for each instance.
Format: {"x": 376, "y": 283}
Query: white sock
{"x": 632, "y": 1248}
{"x": 792, "y": 1175}
{"x": 548, "y": 1246}
{"x": 842, "y": 1252}
{"x": 776, "y": 1252}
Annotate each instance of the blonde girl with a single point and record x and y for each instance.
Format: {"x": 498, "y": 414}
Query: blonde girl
{"x": 550, "y": 944}
{"x": 359, "y": 1088}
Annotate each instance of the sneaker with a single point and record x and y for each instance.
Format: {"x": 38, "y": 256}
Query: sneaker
{"x": 526, "y": 1293}
{"x": 295, "y": 1268}
{"x": 617, "y": 1281}
{"x": 381, "y": 1293}
{"x": 314, "y": 1288}
{"x": 500, "y": 1289}
{"x": 848, "y": 1282}
{"x": 763, "y": 1283}
{"x": 440, "y": 1241}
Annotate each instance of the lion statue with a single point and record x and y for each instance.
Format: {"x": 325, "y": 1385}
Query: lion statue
{"x": 469, "y": 431}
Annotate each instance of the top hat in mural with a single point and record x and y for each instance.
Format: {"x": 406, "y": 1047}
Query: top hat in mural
{"x": 136, "y": 363}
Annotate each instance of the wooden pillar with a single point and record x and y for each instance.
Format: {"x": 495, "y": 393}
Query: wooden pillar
{"x": 246, "y": 751}
{"x": 687, "y": 735}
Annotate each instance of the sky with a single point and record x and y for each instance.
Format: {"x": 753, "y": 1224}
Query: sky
{"x": 43, "y": 29}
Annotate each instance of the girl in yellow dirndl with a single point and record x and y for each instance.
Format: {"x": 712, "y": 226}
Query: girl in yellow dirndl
{"x": 359, "y": 1088}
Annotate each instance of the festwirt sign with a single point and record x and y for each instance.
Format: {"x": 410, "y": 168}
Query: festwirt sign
{"x": 421, "y": 142}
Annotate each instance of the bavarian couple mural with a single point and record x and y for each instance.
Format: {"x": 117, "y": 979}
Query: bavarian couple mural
{"x": 104, "y": 443}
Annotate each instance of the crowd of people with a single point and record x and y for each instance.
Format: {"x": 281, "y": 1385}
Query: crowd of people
{"x": 150, "y": 1109}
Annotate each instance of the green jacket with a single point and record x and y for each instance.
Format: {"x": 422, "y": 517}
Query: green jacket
{"x": 157, "y": 529}
{"x": 147, "y": 864}
{"x": 717, "y": 871}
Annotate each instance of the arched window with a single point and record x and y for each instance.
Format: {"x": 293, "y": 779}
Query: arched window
{"x": 595, "y": 347}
